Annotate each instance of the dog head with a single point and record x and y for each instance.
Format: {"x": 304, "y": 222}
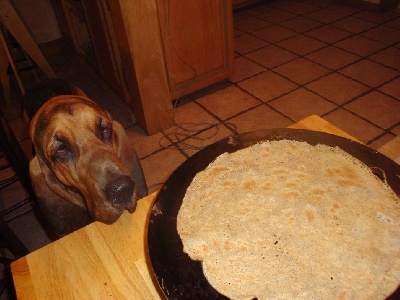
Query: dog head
{"x": 85, "y": 152}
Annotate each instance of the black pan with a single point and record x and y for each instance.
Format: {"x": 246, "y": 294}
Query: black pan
{"x": 182, "y": 278}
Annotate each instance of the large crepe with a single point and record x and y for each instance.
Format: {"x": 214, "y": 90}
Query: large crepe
{"x": 288, "y": 220}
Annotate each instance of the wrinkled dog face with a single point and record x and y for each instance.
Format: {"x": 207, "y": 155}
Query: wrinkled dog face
{"x": 77, "y": 143}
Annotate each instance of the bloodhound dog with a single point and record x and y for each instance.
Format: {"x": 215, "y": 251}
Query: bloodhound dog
{"x": 84, "y": 168}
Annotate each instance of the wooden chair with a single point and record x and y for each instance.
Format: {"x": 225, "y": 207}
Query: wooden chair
{"x": 12, "y": 23}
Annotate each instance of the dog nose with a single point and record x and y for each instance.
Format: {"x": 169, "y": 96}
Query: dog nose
{"x": 119, "y": 190}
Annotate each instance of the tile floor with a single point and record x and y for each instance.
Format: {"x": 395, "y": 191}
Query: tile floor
{"x": 292, "y": 59}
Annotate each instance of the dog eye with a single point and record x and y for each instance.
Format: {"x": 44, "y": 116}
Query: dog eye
{"x": 62, "y": 152}
{"x": 106, "y": 133}
{"x": 62, "y": 149}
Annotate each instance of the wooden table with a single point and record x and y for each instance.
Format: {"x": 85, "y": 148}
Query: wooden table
{"x": 104, "y": 261}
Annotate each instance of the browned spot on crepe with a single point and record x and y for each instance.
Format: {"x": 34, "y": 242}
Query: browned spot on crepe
{"x": 310, "y": 215}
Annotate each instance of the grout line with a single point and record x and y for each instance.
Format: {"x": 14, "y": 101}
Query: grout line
{"x": 378, "y": 137}
{"x": 361, "y": 58}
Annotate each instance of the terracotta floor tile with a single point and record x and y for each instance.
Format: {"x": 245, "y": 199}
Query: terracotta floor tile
{"x": 271, "y": 56}
{"x": 354, "y": 125}
{"x": 392, "y": 88}
{"x": 302, "y": 70}
{"x": 61, "y": 57}
{"x": 360, "y": 45}
{"x": 369, "y": 73}
{"x": 276, "y": 15}
{"x": 337, "y": 88}
{"x": 210, "y": 89}
{"x": 376, "y": 17}
{"x": 68, "y": 68}
{"x": 389, "y": 57}
{"x": 193, "y": 113}
{"x": 245, "y": 68}
{"x": 282, "y": 3}
{"x": 237, "y": 32}
{"x": 352, "y": 24}
{"x": 301, "y": 44}
{"x": 274, "y": 33}
{"x": 320, "y": 3}
{"x": 302, "y": 103}
{"x": 386, "y": 138}
{"x": 394, "y": 23}
{"x": 333, "y": 57}
{"x": 384, "y": 34}
{"x": 237, "y": 16}
{"x": 57, "y": 49}
{"x": 247, "y": 43}
{"x": 349, "y": 10}
{"x": 258, "y": 9}
{"x": 391, "y": 148}
{"x": 267, "y": 85}
{"x": 251, "y": 24}
{"x": 295, "y": 7}
{"x": 197, "y": 142}
{"x": 325, "y": 15}
{"x": 300, "y": 24}
{"x": 190, "y": 118}
{"x": 378, "y": 108}
{"x": 183, "y": 131}
{"x": 87, "y": 81}
{"x": 144, "y": 144}
{"x": 396, "y": 130}
{"x": 261, "y": 117}
{"x": 159, "y": 166}
{"x": 228, "y": 102}
{"x": 329, "y": 34}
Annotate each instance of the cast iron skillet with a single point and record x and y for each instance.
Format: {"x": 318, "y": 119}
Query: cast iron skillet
{"x": 182, "y": 278}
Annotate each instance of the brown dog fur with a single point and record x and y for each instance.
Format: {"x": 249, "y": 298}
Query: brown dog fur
{"x": 80, "y": 154}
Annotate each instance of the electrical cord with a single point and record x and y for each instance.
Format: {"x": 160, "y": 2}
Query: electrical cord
{"x": 186, "y": 131}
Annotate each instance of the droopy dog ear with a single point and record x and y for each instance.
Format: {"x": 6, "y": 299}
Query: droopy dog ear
{"x": 63, "y": 216}
{"x": 127, "y": 154}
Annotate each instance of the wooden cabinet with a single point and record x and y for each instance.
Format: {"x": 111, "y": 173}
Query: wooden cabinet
{"x": 196, "y": 40}
{"x": 153, "y": 51}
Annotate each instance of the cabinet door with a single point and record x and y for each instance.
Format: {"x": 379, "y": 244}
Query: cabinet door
{"x": 197, "y": 38}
